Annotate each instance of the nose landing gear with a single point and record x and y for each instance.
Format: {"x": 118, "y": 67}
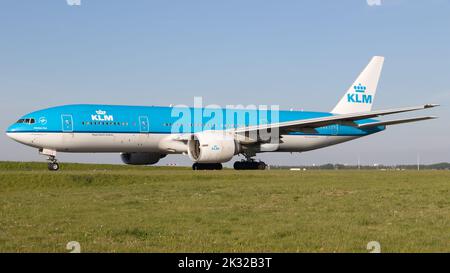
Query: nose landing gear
{"x": 52, "y": 161}
{"x": 53, "y": 166}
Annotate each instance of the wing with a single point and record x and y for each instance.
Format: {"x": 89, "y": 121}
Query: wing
{"x": 346, "y": 119}
{"x": 392, "y": 122}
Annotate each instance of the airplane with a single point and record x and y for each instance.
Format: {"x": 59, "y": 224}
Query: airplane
{"x": 145, "y": 134}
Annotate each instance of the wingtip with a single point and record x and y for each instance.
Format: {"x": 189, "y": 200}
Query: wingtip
{"x": 431, "y": 105}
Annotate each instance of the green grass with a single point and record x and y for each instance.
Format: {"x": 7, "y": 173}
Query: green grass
{"x": 157, "y": 209}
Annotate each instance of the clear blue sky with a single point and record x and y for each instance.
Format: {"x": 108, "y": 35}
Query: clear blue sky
{"x": 298, "y": 54}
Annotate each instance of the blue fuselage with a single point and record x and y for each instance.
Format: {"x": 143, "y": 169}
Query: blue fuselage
{"x": 166, "y": 120}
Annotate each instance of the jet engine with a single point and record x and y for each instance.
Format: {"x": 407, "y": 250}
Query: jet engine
{"x": 141, "y": 158}
{"x": 212, "y": 147}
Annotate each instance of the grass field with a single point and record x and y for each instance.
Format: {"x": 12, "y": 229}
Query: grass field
{"x": 156, "y": 209}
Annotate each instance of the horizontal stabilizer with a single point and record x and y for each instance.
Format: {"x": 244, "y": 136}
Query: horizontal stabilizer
{"x": 392, "y": 122}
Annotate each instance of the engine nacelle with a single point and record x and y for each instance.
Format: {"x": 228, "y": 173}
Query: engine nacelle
{"x": 141, "y": 158}
{"x": 212, "y": 147}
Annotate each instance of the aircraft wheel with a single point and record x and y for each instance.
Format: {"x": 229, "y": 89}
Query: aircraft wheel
{"x": 53, "y": 166}
{"x": 238, "y": 165}
{"x": 262, "y": 165}
{"x": 249, "y": 165}
{"x": 207, "y": 166}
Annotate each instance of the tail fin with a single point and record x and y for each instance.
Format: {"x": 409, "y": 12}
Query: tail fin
{"x": 360, "y": 96}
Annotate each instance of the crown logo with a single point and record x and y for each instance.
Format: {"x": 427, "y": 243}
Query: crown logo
{"x": 100, "y": 112}
{"x": 359, "y": 88}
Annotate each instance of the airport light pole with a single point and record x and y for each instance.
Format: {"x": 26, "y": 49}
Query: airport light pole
{"x": 418, "y": 161}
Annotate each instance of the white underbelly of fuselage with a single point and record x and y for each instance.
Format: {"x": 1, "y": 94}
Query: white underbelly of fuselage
{"x": 158, "y": 143}
{"x": 91, "y": 142}
{"x": 302, "y": 143}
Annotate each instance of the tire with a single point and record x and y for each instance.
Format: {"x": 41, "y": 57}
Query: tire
{"x": 207, "y": 166}
{"x": 249, "y": 165}
{"x": 53, "y": 166}
{"x": 237, "y": 165}
{"x": 262, "y": 166}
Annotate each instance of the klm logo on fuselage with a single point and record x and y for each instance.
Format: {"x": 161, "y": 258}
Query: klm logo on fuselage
{"x": 215, "y": 148}
{"x": 359, "y": 96}
{"x": 102, "y": 116}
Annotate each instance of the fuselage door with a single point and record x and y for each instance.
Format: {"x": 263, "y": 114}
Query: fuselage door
{"x": 334, "y": 129}
{"x": 67, "y": 123}
{"x": 143, "y": 124}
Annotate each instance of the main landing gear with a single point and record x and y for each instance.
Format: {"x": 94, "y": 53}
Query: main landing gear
{"x": 249, "y": 165}
{"x": 206, "y": 166}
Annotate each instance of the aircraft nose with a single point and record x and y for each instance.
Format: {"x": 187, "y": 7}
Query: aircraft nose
{"x": 12, "y": 128}
{"x": 16, "y": 135}
{"x": 11, "y": 132}
{"x": 10, "y": 135}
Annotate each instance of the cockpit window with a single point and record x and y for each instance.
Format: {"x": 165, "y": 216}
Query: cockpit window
{"x": 28, "y": 120}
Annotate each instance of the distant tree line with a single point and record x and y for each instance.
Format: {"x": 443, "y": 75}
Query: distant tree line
{"x": 329, "y": 166}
